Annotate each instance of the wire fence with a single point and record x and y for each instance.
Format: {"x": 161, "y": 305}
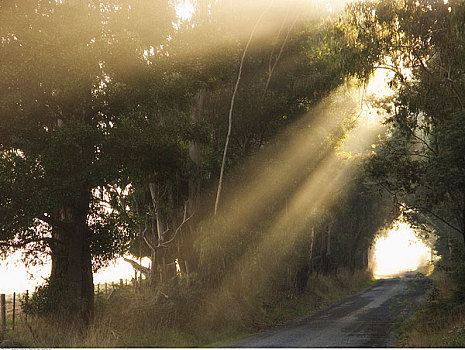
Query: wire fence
{"x": 10, "y": 307}
{"x": 10, "y": 304}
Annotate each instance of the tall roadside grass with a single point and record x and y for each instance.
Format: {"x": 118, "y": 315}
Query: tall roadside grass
{"x": 440, "y": 321}
{"x": 177, "y": 316}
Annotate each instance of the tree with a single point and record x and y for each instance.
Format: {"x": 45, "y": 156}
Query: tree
{"x": 422, "y": 42}
{"x": 64, "y": 130}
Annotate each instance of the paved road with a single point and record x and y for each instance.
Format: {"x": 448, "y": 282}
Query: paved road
{"x": 366, "y": 319}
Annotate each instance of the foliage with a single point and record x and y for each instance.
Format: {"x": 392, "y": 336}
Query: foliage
{"x": 419, "y": 161}
{"x": 47, "y": 300}
{"x": 117, "y": 139}
{"x": 64, "y": 130}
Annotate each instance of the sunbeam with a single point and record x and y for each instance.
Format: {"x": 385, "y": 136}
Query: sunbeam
{"x": 311, "y": 178}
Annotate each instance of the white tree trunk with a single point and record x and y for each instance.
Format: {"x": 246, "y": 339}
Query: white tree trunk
{"x": 225, "y": 151}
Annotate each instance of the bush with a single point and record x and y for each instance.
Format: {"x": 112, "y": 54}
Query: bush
{"x": 458, "y": 270}
{"x": 44, "y": 301}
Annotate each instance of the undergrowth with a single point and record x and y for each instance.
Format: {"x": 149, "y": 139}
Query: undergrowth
{"x": 440, "y": 321}
{"x": 181, "y": 316}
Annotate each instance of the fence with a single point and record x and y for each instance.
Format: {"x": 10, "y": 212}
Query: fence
{"x": 10, "y": 306}
{"x": 107, "y": 289}
{"x": 9, "y": 309}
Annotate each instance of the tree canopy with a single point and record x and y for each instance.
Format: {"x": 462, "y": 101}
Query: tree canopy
{"x": 112, "y": 132}
{"x": 419, "y": 160}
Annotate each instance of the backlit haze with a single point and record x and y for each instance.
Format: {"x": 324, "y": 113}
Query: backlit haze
{"x": 17, "y": 278}
{"x": 184, "y": 9}
{"x": 400, "y": 250}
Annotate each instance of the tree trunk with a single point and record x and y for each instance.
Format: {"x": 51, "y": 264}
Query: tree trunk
{"x": 231, "y": 108}
{"x": 353, "y": 250}
{"x": 463, "y": 222}
{"x": 196, "y": 156}
{"x": 328, "y": 242}
{"x": 71, "y": 275}
{"x": 327, "y": 252}
{"x": 157, "y": 235}
{"x": 310, "y": 253}
{"x": 302, "y": 276}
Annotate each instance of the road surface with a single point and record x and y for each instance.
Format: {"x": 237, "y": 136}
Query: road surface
{"x": 366, "y": 319}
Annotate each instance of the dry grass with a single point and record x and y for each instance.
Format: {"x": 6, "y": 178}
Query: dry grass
{"x": 440, "y": 322}
{"x": 149, "y": 319}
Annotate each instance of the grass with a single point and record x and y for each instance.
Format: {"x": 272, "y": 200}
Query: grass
{"x": 184, "y": 319}
{"x": 440, "y": 321}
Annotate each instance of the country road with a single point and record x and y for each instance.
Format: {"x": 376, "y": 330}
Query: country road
{"x": 366, "y": 319}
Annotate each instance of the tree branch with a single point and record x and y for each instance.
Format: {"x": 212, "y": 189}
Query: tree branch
{"x": 422, "y": 209}
{"x": 54, "y": 222}
{"x": 277, "y": 38}
{"x": 442, "y": 220}
{"x": 423, "y": 142}
{"x": 391, "y": 68}
{"x": 138, "y": 267}
{"x": 448, "y": 79}
{"x": 411, "y": 154}
{"x": 19, "y": 245}
{"x": 145, "y": 238}
{"x": 283, "y": 45}
{"x": 184, "y": 220}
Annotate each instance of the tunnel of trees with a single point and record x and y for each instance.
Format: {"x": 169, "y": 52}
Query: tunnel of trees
{"x": 116, "y": 132}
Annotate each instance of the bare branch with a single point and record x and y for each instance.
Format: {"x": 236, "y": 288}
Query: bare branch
{"x": 270, "y": 64}
{"x": 153, "y": 194}
{"x": 146, "y": 240}
{"x": 283, "y": 45}
{"x": 424, "y": 142}
{"x": 391, "y": 68}
{"x": 184, "y": 220}
{"x": 455, "y": 91}
{"x": 138, "y": 267}
{"x": 165, "y": 232}
{"x": 442, "y": 220}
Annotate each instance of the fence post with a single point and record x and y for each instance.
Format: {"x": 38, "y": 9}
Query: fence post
{"x": 14, "y": 310}
{"x": 135, "y": 281}
{"x": 106, "y": 288}
{"x": 121, "y": 282}
{"x": 27, "y": 301}
{"x": 3, "y": 312}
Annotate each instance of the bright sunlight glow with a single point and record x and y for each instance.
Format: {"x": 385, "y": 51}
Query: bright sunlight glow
{"x": 184, "y": 9}
{"x": 399, "y": 251}
{"x": 16, "y": 277}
